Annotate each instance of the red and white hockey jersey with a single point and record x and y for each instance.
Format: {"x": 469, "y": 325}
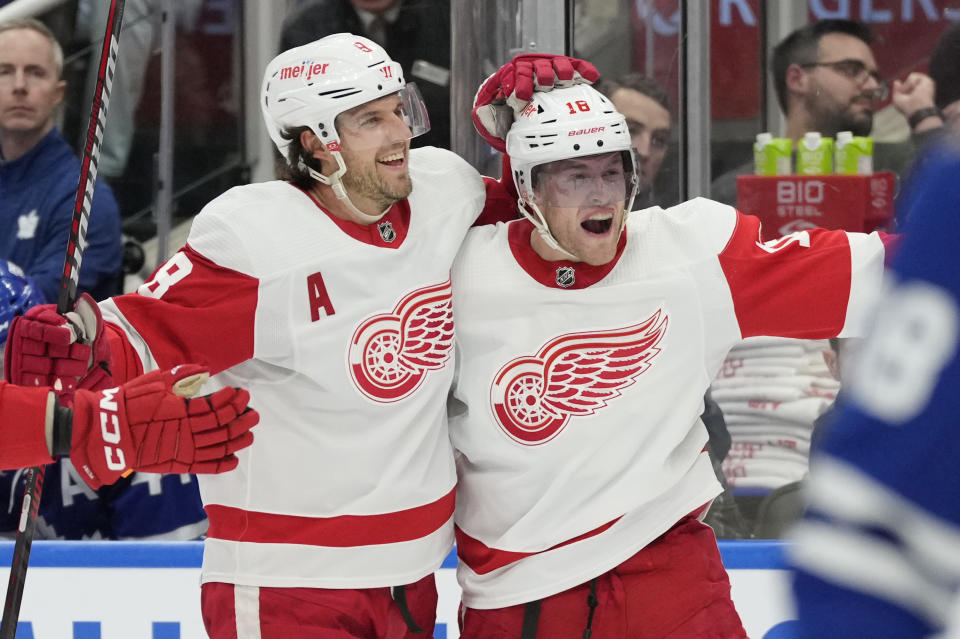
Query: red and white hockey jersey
{"x": 343, "y": 334}
{"x": 576, "y": 409}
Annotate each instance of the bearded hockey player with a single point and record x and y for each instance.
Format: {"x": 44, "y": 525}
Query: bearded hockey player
{"x": 878, "y": 551}
{"x": 328, "y": 294}
{"x": 587, "y": 337}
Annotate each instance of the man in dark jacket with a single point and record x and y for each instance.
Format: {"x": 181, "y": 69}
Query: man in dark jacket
{"x": 415, "y": 32}
{"x": 39, "y": 172}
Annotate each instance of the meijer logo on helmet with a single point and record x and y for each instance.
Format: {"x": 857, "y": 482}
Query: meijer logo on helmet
{"x": 308, "y": 68}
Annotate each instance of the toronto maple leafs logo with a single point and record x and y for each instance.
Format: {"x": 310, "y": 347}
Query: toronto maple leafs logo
{"x": 391, "y": 353}
{"x": 533, "y": 397}
{"x": 27, "y": 225}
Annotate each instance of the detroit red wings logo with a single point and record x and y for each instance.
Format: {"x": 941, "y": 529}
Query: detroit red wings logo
{"x": 391, "y": 353}
{"x": 573, "y": 375}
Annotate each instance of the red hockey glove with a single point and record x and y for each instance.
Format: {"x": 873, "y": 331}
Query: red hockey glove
{"x": 150, "y": 425}
{"x": 65, "y": 353}
{"x": 507, "y": 91}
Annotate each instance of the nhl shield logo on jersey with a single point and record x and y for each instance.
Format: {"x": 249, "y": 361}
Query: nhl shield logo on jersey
{"x": 387, "y": 234}
{"x": 391, "y": 353}
{"x": 566, "y": 276}
{"x": 574, "y": 375}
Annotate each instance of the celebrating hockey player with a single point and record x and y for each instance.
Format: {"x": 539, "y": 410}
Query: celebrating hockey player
{"x": 586, "y": 338}
{"x": 328, "y": 295}
{"x": 877, "y": 552}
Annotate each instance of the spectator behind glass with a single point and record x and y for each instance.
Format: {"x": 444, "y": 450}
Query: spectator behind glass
{"x": 646, "y": 107}
{"x": 933, "y": 100}
{"x": 38, "y": 182}
{"x": 39, "y": 171}
{"x": 415, "y": 32}
{"x": 940, "y": 89}
{"x": 945, "y": 71}
{"x": 826, "y": 80}
{"x": 138, "y": 37}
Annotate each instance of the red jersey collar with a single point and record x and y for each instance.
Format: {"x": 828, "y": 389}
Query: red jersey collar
{"x": 559, "y": 274}
{"x": 389, "y": 232}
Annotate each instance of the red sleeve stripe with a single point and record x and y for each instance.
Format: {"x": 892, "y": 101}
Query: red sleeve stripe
{"x": 796, "y": 286}
{"x": 207, "y": 317}
{"x": 499, "y": 206}
{"x": 344, "y": 531}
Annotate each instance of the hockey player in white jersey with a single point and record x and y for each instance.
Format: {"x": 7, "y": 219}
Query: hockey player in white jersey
{"x": 328, "y": 296}
{"x": 586, "y": 337}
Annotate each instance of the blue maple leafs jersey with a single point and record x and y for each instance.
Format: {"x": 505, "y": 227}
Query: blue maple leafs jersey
{"x": 142, "y": 506}
{"x": 878, "y": 552}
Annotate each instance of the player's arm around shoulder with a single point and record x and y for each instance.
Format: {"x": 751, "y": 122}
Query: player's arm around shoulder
{"x": 445, "y": 179}
{"x": 483, "y": 246}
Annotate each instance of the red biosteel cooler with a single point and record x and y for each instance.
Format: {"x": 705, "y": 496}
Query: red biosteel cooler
{"x": 789, "y": 203}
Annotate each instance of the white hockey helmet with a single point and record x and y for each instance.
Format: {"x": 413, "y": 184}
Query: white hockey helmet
{"x": 312, "y": 84}
{"x": 561, "y": 124}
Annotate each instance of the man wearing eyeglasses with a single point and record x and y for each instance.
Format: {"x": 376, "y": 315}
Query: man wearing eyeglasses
{"x": 826, "y": 80}
{"x": 828, "y": 84}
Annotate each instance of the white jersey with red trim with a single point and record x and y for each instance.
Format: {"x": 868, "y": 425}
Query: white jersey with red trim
{"x": 576, "y": 408}
{"x": 343, "y": 334}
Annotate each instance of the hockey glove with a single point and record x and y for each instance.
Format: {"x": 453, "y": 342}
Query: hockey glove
{"x": 507, "y": 92}
{"x": 149, "y": 424}
{"x": 65, "y": 353}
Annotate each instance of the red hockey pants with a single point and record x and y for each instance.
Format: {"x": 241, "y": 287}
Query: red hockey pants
{"x": 251, "y": 612}
{"x": 675, "y": 588}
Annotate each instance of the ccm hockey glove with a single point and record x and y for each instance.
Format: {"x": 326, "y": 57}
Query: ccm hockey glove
{"x": 505, "y": 93}
{"x": 65, "y": 353}
{"x": 150, "y": 424}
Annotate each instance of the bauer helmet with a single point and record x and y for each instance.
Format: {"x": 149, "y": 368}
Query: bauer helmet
{"x": 312, "y": 84}
{"x": 573, "y": 122}
{"x": 17, "y": 294}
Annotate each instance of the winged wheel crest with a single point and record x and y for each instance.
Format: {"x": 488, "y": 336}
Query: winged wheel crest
{"x": 391, "y": 353}
{"x": 574, "y": 375}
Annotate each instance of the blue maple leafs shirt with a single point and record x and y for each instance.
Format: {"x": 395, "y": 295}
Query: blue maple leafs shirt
{"x": 37, "y": 194}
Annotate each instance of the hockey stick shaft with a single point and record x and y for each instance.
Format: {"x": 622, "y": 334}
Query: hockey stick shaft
{"x": 65, "y": 299}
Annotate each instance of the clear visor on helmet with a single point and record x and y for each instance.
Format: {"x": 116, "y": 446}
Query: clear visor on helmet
{"x": 592, "y": 180}
{"x": 385, "y": 121}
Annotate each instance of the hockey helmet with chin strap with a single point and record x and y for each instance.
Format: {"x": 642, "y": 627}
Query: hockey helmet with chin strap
{"x": 563, "y": 124}
{"x": 312, "y": 84}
